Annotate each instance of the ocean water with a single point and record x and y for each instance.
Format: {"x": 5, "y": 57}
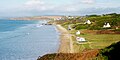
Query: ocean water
{"x": 25, "y": 40}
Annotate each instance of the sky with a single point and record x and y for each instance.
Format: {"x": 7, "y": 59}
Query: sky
{"x": 19, "y": 8}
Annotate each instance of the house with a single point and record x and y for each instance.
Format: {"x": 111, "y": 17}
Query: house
{"x": 106, "y": 25}
{"x": 87, "y": 22}
{"x": 69, "y": 28}
{"x": 69, "y": 17}
{"x": 80, "y": 39}
{"x": 78, "y": 33}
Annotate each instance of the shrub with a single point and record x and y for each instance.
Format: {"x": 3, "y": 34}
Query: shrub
{"x": 112, "y": 52}
{"x": 81, "y": 26}
{"x": 117, "y": 29}
{"x": 95, "y": 28}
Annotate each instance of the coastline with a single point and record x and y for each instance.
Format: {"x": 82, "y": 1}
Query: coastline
{"x": 64, "y": 39}
{"x": 64, "y": 46}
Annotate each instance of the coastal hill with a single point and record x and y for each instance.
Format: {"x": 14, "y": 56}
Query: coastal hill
{"x": 108, "y": 53}
{"x": 37, "y": 18}
{"x": 103, "y": 43}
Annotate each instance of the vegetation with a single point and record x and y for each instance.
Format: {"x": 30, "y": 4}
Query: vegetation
{"x": 59, "y": 56}
{"x": 80, "y": 26}
{"x": 95, "y": 41}
{"x": 47, "y": 57}
{"x": 113, "y": 19}
{"x": 98, "y": 38}
{"x": 97, "y": 22}
{"x": 69, "y": 56}
{"x": 111, "y": 52}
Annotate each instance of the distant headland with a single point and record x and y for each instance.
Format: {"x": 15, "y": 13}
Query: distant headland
{"x": 37, "y": 18}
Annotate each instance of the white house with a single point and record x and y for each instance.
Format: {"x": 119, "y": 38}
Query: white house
{"x": 69, "y": 28}
{"x": 80, "y": 39}
{"x": 78, "y": 33}
{"x": 107, "y": 25}
{"x": 87, "y": 22}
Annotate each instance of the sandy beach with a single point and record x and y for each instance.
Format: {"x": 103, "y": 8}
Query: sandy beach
{"x": 65, "y": 41}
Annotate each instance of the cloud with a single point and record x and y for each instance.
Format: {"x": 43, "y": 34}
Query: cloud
{"x": 48, "y": 7}
{"x": 39, "y": 5}
{"x": 93, "y": 10}
{"x": 34, "y": 2}
{"x": 66, "y": 8}
{"x": 43, "y": 6}
{"x": 87, "y": 1}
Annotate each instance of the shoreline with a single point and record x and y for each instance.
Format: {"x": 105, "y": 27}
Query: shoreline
{"x": 65, "y": 40}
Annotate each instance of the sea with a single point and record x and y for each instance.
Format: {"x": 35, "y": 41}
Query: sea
{"x": 27, "y": 40}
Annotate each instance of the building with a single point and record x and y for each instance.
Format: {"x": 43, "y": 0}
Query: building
{"x": 88, "y": 22}
{"x": 69, "y": 27}
{"x": 78, "y": 33}
{"x": 80, "y": 39}
{"x": 106, "y": 25}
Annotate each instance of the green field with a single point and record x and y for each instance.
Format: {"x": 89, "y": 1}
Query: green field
{"x": 95, "y": 41}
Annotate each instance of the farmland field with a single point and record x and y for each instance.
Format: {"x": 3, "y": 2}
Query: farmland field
{"x": 95, "y": 41}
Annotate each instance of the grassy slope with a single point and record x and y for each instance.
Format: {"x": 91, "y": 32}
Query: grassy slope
{"x": 95, "y": 41}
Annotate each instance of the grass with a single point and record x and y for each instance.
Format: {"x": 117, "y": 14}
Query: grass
{"x": 101, "y": 41}
{"x": 97, "y": 41}
{"x": 78, "y": 48}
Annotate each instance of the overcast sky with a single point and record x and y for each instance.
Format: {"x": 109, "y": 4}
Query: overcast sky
{"x": 14, "y": 8}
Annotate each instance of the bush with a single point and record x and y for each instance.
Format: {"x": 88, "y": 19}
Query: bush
{"x": 95, "y": 28}
{"x": 81, "y": 26}
{"x": 117, "y": 29}
{"x": 112, "y": 52}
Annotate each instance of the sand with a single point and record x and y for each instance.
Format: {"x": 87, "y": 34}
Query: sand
{"x": 65, "y": 41}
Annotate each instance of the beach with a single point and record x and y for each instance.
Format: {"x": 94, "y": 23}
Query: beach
{"x": 65, "y": 40}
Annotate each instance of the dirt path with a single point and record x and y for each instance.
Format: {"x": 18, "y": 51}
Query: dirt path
{"x": 71, "y": 44}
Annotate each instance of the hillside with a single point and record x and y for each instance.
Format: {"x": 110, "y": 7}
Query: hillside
{"x": 97, "y": 23}
{"x": 101, "y": 42}
{"x": 109, "y": 53}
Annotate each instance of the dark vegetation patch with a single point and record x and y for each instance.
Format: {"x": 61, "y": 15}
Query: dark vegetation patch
{"x": 47, "y": 57}
{"x": 111, "y": 52}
